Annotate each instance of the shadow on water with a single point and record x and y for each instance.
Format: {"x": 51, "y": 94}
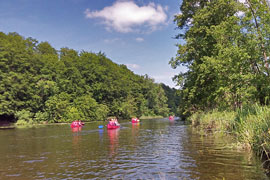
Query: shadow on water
{"x": 7, "y": 122}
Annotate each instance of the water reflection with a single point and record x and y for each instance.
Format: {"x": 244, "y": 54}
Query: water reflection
{"x": 114, "y": 140}
{"x": 171, "y": 122}
{"x": 100, "y": 132}
{"x": 213, "y": 158}
{"x": 76, "y": 138}
{"x": 135, "y": 129}
{"x": 76, "y": 129}
{"x": 134, "y": 134}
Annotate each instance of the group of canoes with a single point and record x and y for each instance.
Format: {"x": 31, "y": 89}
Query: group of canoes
{"x": 113, "y": 123}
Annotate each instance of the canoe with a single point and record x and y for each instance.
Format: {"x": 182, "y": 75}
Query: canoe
{"x": 112, "y": 126}
{"x": 76, "y": 124}
{"x": 135, "y": 120}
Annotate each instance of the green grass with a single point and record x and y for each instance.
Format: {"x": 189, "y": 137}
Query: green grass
{"x": 249, "y": 125}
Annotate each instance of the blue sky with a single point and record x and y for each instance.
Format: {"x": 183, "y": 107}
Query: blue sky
{"x": 137, "y": 33}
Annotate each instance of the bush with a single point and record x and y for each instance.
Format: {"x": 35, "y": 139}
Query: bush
{"x": 41, "y": 117}
{"x": 101, "y": 112}
{"x": 57, "y": 107}
{"x": 24, "y": 117}
{"x": 73, "y": 114}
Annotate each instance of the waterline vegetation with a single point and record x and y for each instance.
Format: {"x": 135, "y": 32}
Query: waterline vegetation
{"x": 249, "y": 125}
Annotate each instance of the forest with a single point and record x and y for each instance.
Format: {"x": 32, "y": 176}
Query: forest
{"x": 42, "y": 84}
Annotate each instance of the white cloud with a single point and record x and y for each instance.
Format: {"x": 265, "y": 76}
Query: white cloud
{"x": 162, "y": 77}
{"x": 133, "y": 66}
{"x": 139, "y": 39}
{"x": 126, "y": 16}
{"x": 165, "y": 75}
{"x": 109, "y": 41}
{"x": 165, "y": 78}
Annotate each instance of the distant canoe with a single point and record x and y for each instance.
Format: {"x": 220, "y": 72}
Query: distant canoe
{"x": 135, "y": 120}
{"x": 76, "y": 124}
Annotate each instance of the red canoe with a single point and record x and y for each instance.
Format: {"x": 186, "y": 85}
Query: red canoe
{"x": 76, "y": 124}
{"x": 112, "y": 126}
{"x": 135, "y": 120}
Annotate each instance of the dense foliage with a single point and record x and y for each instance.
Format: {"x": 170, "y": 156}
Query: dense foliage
{"x": 174, "y": 99}
{"x": 39, "y": 83}
{"x": 226, "y": 50}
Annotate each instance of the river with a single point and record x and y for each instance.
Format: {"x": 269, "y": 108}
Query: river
{"x": 153, "y": 149}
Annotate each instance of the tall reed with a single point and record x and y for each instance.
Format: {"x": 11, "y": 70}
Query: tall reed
{"x": 250, "y": 125}
{"x": 253, "y": 128}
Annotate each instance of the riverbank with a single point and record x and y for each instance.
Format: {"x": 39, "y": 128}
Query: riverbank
{"x": 250, "y": 126}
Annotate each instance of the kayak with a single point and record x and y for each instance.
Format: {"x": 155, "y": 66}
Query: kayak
{"x": 109, "y": 126}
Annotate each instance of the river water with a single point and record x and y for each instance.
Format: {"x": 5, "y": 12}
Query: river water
{"x": 153, "y": 149}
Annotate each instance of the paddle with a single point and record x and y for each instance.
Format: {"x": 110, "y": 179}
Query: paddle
{"x": 100, "y": 126}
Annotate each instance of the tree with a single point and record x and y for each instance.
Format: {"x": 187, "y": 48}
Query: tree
{"x": 224, "y": 52}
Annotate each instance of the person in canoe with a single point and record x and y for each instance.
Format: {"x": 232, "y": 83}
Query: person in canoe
{"x": 113, "y": 124}
{"x": 116, "y": 122}
{"x": 80, "y": 123}
{"x": 76, "y": 123}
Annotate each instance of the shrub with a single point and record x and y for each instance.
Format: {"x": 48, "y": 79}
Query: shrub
{"x": 24, "y": 117}
{"x": 41, "y": 117}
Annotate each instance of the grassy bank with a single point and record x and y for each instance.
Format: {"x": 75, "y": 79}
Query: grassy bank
{"x": 249, "y": 125}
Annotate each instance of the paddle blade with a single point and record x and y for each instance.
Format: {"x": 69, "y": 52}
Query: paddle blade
{"x": 100, "y": 127}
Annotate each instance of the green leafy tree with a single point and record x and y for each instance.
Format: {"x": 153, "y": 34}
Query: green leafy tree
{"x": 225, "y": 50}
